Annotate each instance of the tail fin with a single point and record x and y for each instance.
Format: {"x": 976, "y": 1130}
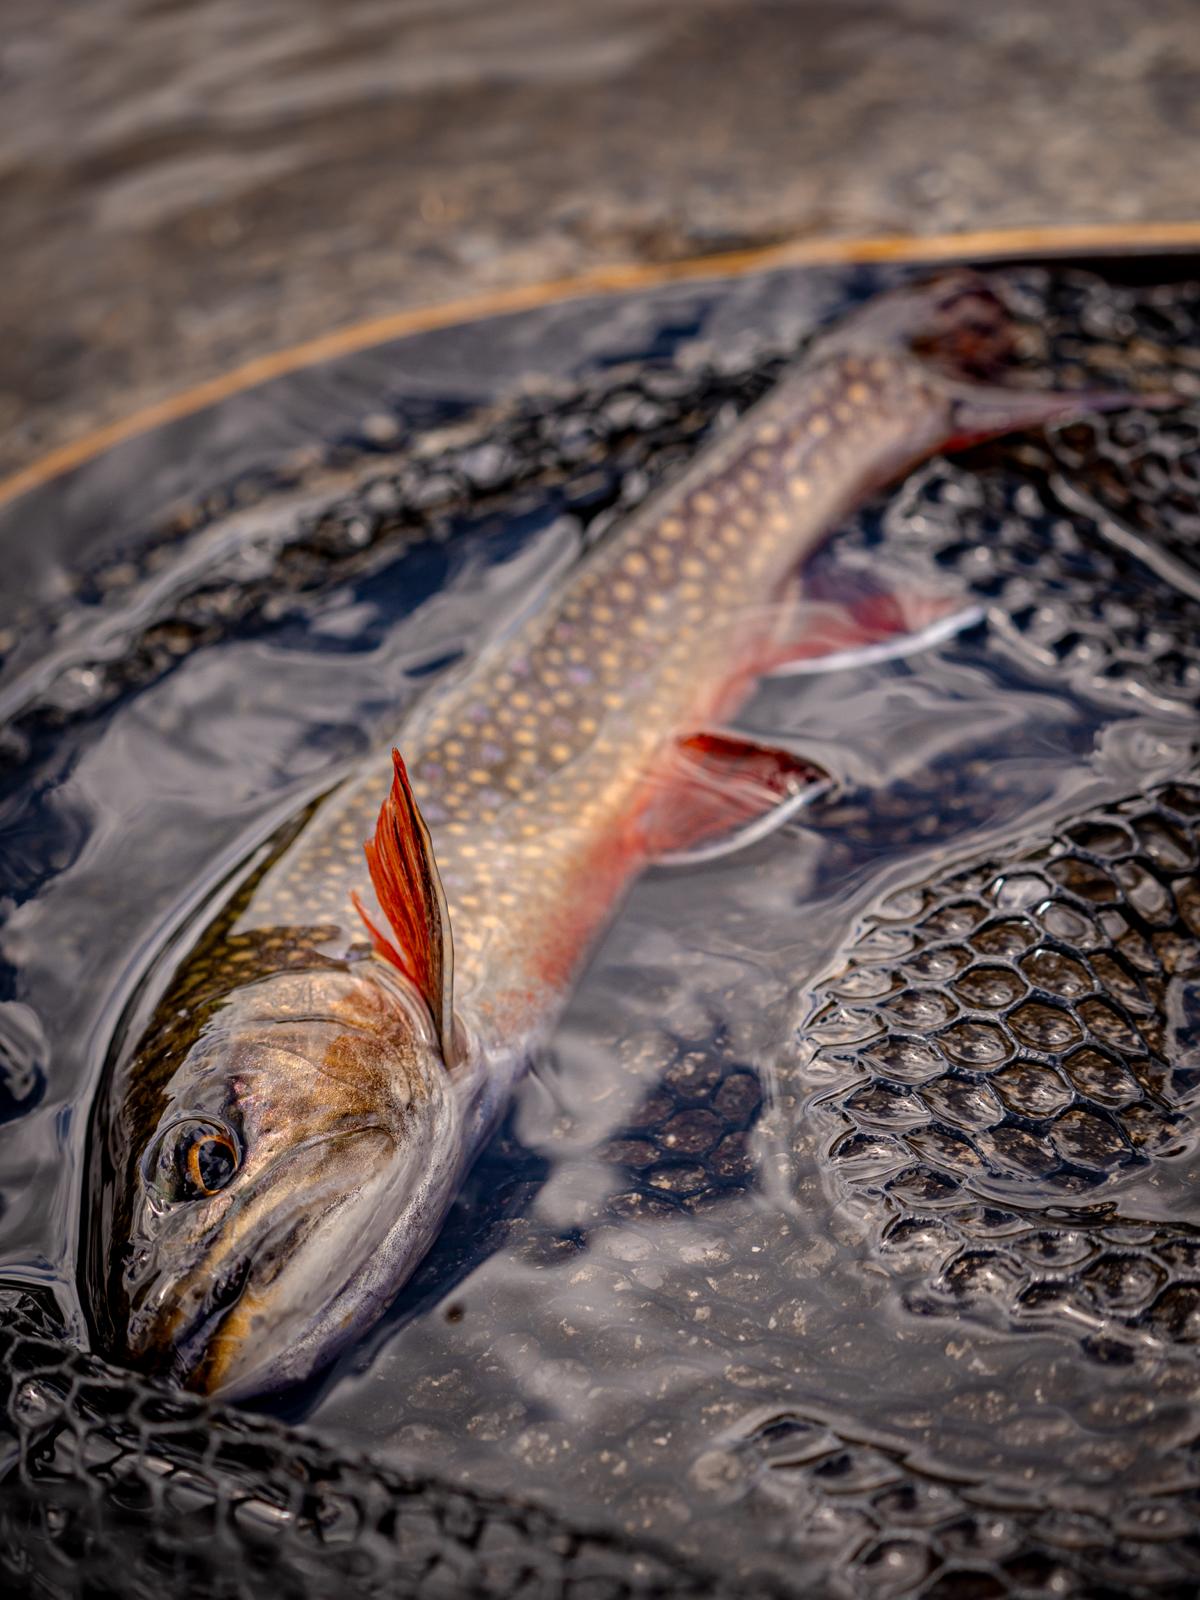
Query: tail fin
{"x": 958, "y": 328}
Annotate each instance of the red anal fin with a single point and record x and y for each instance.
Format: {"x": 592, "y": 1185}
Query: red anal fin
{"x": 723, "y": 792}
{"x": 405, "y": 878}
{"x": 824, "y": 637}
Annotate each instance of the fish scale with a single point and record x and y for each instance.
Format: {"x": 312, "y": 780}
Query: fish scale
{"x": 1018, "y": 1036}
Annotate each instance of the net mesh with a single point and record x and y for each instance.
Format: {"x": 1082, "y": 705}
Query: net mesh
{"x": 1021, "y": 1021}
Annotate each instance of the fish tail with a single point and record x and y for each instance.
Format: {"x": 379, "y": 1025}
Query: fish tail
{"x": 966, "y": 342}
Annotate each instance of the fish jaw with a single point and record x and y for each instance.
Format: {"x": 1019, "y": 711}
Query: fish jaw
{"x": 236, "y": 1363}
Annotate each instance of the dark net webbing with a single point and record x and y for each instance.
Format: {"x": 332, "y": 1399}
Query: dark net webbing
{"x": 114, "y": 1486}
{"x": 110, "y": 1486}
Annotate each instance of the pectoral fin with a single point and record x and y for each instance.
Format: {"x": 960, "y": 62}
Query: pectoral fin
{"x": 405, "y": 878}
{"x": 722, "y": 792}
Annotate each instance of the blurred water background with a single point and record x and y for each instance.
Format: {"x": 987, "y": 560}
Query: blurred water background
{"x": 187, "y": 183}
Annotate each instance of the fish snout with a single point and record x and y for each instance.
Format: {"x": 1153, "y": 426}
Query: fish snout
{"x": 217, "y": 1303}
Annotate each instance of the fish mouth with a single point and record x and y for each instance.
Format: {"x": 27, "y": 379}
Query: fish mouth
{"x": 186, "y": 1355}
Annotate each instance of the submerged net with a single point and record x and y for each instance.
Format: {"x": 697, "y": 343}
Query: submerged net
{"x": 1011, "y": 1044}
{"x": 1022, "y": 1020}
{"x": 115, "y": 1486}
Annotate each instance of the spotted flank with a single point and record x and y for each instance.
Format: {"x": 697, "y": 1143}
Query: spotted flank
{"x": 349, "y": 1028}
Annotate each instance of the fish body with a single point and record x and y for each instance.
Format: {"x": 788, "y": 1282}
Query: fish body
{"x": 278, "y": 1151}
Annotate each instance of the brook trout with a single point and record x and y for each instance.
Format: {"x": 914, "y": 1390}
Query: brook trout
{"x": 277, "y": 1152}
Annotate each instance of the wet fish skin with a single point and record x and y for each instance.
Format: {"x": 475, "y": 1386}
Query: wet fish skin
{"x": 548, "y": 774}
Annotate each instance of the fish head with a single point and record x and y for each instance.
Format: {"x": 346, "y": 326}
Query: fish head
{"x": 306, "y": 1147}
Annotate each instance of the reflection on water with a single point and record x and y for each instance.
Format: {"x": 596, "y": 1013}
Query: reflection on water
{"x": 739, "y": 1272}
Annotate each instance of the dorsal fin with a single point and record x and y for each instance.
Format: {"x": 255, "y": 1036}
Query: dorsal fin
{"x": 405, "y": 878}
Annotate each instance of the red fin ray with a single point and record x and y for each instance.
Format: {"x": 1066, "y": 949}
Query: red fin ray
{"x": 405, "y": 878}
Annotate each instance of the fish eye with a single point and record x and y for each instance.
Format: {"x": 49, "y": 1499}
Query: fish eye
{"x": 190, "y": 1160}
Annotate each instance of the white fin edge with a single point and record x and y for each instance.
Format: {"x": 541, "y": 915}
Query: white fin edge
{"x": 904, "y": 644}
{"x": 742, "y": 838}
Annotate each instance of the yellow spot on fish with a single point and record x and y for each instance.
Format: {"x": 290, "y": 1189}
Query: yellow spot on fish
{"x": 671, "y": 528}
{"x": 704, "y": 503}
{"x": 819, "y": 425}
{"x": 800, "y": 487}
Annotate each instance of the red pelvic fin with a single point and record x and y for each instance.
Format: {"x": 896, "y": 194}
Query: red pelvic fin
{"x": 405, "y": 878}
{"x": 723, "y": 792}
